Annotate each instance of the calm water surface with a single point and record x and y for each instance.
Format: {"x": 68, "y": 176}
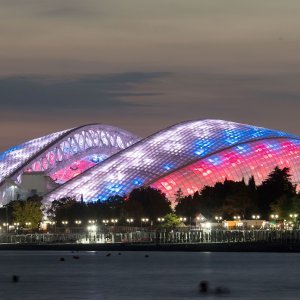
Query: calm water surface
{"x": 168, "y": 275}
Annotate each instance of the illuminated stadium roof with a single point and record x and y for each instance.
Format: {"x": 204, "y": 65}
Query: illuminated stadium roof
{"x": 189, "y": 156}
{"x": 63, "y": 155}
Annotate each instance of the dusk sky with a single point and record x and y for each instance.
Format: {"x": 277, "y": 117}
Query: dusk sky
{"x": 143, "y": 65}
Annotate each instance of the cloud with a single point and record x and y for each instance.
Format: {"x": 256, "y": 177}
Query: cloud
{"x": 85, "y": 91}
{"x": 68, "y": 11}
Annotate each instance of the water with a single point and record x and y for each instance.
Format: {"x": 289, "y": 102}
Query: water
{"x": 164, "y": 275}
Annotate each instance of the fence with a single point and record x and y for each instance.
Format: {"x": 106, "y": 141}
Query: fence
{"x": 179, "y": 236}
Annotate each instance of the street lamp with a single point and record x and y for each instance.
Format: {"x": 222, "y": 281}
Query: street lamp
{"x": 64, "y": 222}
{"x": 274, "y": 217}
{"x": 255, "y": 217}
{"x": 129, "y": 221}
{"x": 52, "y": 223}
{"x": 17, "y": 224}
{"x": 92, "y": 221}
{"x": 218, "y": 218}
{"x": 105, "y": 222}
{"x": 92, "y": 228}
{"x": 6, "y": 225}
{"x": 200, "y": 219}
{"x": 6, "y": 211}
{"x": 182, "y": 219}
{"x": 28, "y": 224}
{"x": 78, "y": 222}
{"x": 236, "y": 218}
{"x": 294, "y": 215}
{"x": 160, "y": 220}
{"x": 144, "y": 220}
{"x": 114, "y": 221}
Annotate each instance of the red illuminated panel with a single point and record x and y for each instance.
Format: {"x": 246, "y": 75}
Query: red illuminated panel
{"x": 256, "y": 158}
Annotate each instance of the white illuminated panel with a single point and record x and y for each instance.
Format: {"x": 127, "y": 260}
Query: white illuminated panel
{"x": 60, "y": 153}
{"x": 163, "y": 153}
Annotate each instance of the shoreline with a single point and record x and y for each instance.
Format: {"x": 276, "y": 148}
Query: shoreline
{"x": 199, "y": 247}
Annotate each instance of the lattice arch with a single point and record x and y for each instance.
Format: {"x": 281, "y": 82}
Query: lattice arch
{"x": 95, "y": 139}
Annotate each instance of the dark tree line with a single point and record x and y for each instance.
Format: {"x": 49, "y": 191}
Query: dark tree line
{"x": 276, "y": 194}
{"x": 145, "y": 202}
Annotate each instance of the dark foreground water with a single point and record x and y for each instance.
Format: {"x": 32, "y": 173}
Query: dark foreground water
{"x": 168, "y": 275}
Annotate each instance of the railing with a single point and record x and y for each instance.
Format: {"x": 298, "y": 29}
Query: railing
{"x": 138, "y": 235}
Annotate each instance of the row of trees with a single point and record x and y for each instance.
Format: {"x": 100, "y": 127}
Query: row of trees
{"x": 276, "y": 194}
{"x": 143, "y": 203}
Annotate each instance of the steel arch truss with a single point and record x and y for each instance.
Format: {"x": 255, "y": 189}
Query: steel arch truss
{"x": 94, "y": 141}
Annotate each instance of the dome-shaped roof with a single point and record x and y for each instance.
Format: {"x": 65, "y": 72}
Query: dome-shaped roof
{"x": 161, "y": 155}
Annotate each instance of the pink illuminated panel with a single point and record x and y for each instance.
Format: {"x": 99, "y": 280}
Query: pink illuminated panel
{"x": 70, "y": 172}
{"x": 256, "y": 158}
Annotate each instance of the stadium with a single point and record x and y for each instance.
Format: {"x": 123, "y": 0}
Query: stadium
{"x": 94, "y": 162}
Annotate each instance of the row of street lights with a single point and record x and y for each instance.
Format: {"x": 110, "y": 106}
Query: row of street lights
{"x": 113, "y": 221}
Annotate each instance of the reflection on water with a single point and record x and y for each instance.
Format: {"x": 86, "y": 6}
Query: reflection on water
{"x": 133, "y": 275}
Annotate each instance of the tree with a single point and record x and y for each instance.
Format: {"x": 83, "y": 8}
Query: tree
{"x": 28, "y": 211}
{"x": 147, "y": 202}
{"x": 276, "y": 185}
{"x": 284, "y": 206}
{"x": 113, "y": 207}
{"x": 67, "y": 209}
{"x": 188, "y": 206}
{"x": 171, "y": 221}
{"x": 178, "y": 195}
{"x": 6, "y": 213}
{"x": 227, "y": 199}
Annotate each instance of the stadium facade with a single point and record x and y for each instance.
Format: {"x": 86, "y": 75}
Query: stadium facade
{"x": 95, "y": 162}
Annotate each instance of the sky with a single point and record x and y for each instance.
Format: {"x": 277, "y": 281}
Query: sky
{"x": 143, "y": 65}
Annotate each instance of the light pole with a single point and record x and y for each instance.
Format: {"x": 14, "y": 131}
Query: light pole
{"x": 129, "y": 221}
{"x": 78, "y": 222}
{"x": 105, "y": 222}
{"x": 114, "y": 221}
{"x": 160, "y": 220}
{"x": 274, "y": 217}
{"x": 6, "y": 214}
{"x": 218, "y": 218}
{"x": 52, "y": 223}
{"x": 182, "y": 219}
{"x": 144, "y": 220}
{"x": 28, "y": 224}
{"x": 294, "y": 216}
{"x": 16, "y": 225}
{"x": 64, "y": 223}
{"x": 6, "y": 225}
{"x": 256, "y": 217}
{"x": 200, "y": 219}
{"x": 237, "y": 219}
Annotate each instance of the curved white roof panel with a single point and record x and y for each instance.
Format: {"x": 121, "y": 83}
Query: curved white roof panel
{"x": 64, "y": 151}
{"x": 166, "y": 152}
